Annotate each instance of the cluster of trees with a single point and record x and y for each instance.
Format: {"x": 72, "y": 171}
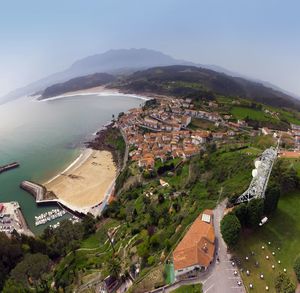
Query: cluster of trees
{"x": 284, "y": 180}
{"x": 25, "y": 261}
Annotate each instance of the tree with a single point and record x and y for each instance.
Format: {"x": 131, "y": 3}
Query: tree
{"x": 32, "y": 268}
{"x": 230, "y": 229}
{"x": 255, "y": 211}
{"x": 289, "y": 180}
{"x": 10, "y": 254}
{"x": 297, "y": 267}
{"x": 89, "y": 225}
{"x": 283, "y": 284}
{"x": 241, "y": 212}
{"x": 271, "y": 199}
{"x": 114, "y": 266}
{"x": 13, "y": 286}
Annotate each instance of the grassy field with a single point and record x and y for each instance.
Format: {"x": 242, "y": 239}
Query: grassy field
{"x": 243, "y": 112}
{"x": 189, "y": 289}
{"x": 283, "y": 233}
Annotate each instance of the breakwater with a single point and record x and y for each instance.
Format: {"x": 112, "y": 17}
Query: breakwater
{"x": 9, "y": 167}
{"x": 39, "y": 193}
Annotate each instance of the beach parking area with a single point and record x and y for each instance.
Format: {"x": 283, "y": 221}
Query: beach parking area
{"x": 85, "y": 183}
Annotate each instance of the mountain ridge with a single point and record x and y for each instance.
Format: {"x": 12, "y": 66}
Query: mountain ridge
{"x": 117, "y": 61}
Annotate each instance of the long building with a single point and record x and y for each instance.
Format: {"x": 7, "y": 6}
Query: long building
{"x": 196, "y": 250}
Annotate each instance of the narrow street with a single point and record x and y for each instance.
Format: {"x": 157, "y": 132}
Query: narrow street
{"x": 221, "y": 278}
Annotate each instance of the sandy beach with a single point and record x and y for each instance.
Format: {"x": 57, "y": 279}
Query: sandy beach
{"x": 98, "y": 91}
{"x": 85, "y": 182}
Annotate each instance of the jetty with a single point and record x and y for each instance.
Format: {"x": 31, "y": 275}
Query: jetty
{"x": 39, "y": 192}
{"x": 9, "y": 167}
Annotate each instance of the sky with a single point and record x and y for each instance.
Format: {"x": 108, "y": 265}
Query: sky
{"x": 257, "y": 38}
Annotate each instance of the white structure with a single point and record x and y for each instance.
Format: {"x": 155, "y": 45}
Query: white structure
{"x": 260, "y": 175}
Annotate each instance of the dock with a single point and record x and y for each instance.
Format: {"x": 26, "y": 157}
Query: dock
{"x": 9, "y": 167}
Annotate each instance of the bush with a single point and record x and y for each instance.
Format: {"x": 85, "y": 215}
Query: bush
{"x": 297, "y": 268}
{"x": 283, "y": 284}
{"x": 230, "y": 229}
{"x": 255, "y": 210}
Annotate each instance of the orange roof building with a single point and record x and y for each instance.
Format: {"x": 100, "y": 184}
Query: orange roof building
{"x": 195, "y": 252}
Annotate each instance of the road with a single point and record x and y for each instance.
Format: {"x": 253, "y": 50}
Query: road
{"x": 220, "y": 278}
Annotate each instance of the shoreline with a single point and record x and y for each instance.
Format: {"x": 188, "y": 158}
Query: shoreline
{"x": 85, "y": 156}
{"x": 98, "y": 91}
{"x": 78, "y": 160}
{"x": 86, "y": 181}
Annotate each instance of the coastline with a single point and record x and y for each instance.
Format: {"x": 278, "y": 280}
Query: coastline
{"x": 67, "y": 188}
{"x": 98, "y": 91}
{"x": 85, "y": 182}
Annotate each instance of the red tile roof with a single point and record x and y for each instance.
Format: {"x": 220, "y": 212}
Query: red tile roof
{"x": 197, "y": 246}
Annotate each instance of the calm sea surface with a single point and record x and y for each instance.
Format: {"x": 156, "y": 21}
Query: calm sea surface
{"x": 45, "y": 137}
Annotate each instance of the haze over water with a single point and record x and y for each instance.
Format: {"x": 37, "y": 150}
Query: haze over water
{"x": 45, "y": 137}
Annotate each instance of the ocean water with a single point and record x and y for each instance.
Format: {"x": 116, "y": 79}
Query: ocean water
{"x": 45, "y": 137}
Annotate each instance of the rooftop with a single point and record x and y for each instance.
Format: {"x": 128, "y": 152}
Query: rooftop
{"x": 197, "y": 246}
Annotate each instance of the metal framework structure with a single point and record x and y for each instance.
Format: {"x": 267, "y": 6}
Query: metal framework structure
{"x": 261, "y": 175}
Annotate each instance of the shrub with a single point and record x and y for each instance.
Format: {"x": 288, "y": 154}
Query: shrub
{"x": 297, "y": 268}
{"x": 230, "y": 229}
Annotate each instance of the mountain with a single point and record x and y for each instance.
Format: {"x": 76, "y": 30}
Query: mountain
{"x": 122, "y": 61}
{"x": 78, "y": 83}
{"x": 182, "y": 80}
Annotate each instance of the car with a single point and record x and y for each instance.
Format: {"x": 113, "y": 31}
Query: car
{"x": 239, "y": 283}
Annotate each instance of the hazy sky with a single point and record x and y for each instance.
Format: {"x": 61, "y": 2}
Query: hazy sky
{"x": 259, "y": 38}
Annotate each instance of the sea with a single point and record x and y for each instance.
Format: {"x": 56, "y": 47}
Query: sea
{"x": 45, "y": 137}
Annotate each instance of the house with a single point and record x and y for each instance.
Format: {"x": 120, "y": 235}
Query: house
{"x": 196, "y": 250}
{"x": 185, "y": 120}
{"x": 265, "y": 131}
{"x": 109, "y": 285}
{"x": 147, "y": 161}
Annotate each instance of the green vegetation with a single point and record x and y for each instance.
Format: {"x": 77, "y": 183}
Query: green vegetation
{"x": 254, "y": 114}
{"x": 230, "y": 229}
{"x": 25, "y": 261}
{"x": 189, "y": 289}
{"x": 297, "y": 267}
{"x": 112, "y": 140}
{"x": 156, "y": 217}
{"x": 283, "y": 284}
{"x": 279, "y": 238}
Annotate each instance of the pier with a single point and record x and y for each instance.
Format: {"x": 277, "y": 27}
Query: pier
{"x": 39, "y": 193}
{"x": 9, "y": 167}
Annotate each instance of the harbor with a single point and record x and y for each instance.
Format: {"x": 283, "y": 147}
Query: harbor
{"x": 49, "y": 216}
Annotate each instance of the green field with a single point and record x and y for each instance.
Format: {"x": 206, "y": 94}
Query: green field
{"x": 283, "y": 232}
{"x": 189, "y": 289}
{"x": 243, "y": 112}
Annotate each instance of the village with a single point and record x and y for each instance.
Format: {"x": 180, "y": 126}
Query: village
{"x": 162, "y": 131}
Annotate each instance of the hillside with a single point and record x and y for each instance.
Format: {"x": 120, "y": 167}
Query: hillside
{"x": 121, "y": 61}
{"x": 127, "y": 61}
{"x": 77, "y": 83}
{"x": 183, "y": 80}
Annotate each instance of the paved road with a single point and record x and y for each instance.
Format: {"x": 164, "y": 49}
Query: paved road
{"x": 220, "y": 278}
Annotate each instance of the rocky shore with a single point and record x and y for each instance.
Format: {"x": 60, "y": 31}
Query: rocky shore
{"x": 110, "y": 139}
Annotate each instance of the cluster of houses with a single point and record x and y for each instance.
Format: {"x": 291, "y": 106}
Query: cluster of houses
{"x": 295, "y": 130}
{"x": 166, "y": 134}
